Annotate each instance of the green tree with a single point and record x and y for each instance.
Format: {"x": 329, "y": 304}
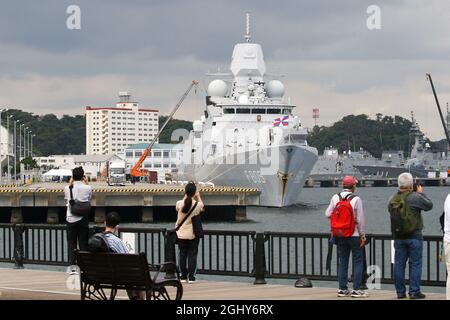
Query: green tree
{"x": 29, "y": 163}
{"x": 67, "y": 135}
{"x": 353, "y": 132}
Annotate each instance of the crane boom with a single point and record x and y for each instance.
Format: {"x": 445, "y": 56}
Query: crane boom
{"x": 136, "y": 171}
{"x": 439, "y": 109}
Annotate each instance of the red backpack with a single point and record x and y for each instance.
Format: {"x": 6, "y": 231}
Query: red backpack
{"x": 342, "y": 219}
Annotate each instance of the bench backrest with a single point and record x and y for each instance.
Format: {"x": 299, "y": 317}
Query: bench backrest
{"x": 114, "y": 268}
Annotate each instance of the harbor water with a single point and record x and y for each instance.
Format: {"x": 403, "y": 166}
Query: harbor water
{"x": 309, "y": 215}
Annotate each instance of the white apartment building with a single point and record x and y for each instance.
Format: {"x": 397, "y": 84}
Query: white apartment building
{"x": 163, "y": 158}
{"x": 111, "y": 130}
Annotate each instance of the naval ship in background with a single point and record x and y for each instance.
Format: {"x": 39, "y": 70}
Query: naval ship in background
{"x": 422, "y": 163}
{"x": 334, "y": 166}
{"x": 249, "y": 136}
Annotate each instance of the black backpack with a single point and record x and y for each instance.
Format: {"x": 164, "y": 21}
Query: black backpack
{"x": 99, "y": 243}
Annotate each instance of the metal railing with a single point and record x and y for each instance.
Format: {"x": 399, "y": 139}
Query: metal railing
{"x": 433, "y": 269}
{"x": 7, "y": 242}
{"x": 226, "y": 253}
{"x": 285, "y": 255}
{"x": 293, "y": 255}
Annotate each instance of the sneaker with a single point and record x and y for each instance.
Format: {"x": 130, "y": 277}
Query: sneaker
{"x": 343, "y": 293}
{"x": 419, "y": 295}
{"x": 192, "y": 280}
{"x": 183, "y": 280}
{"x": 359, "y": 294}
{"x": 71, "y": 270}
{"x": 401, "y": 295}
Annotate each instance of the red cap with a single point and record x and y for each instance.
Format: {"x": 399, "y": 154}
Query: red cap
{"x": 349, "y": 181}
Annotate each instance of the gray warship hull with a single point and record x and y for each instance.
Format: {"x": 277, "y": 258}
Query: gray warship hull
{"x": 391, "y": 172}
{"x": 279, "y": 172}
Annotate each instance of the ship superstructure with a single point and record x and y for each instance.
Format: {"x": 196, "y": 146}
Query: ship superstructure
{"x": 248, "y": 135}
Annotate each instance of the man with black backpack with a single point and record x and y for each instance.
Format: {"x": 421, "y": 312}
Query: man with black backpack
{"x": 78, "y": 195}
{"x": 108, "y": 241}
{"x": 406, "y": 226}
{"x": 347, "y": 226}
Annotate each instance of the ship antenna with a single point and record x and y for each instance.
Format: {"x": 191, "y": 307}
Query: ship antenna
{"x": 247, "y": 37}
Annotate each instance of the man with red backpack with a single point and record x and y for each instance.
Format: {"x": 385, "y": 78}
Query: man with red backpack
{"x": 347, "y": 223}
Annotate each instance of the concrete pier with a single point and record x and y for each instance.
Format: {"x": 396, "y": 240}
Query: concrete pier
{"x": 16, "y": 215}
{"x": 147, "y": 215}
{"x": 52, "y": 216}
{"x": 99, "y": 215}
{"x": 330, "y": 181}
{"x": 143, "y": 202}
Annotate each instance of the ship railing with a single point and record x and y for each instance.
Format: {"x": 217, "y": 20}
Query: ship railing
{"x": 260, "y": 255}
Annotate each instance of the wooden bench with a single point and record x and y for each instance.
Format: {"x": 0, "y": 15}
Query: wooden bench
{"x": 115, "y": 271}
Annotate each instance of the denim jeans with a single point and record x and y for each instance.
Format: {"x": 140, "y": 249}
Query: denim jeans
{"x": 408, "y": 249}
{"x": 345, "y": 246}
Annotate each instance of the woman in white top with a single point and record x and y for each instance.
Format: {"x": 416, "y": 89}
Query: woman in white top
{"x": 187, "y": 242}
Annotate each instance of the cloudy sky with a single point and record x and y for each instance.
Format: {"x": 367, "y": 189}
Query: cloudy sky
{"x": 328, "y": 57}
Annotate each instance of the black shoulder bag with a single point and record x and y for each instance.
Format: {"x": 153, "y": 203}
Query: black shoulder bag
{"x": 197, "y": 226}
{"x": 172, "y": 234}
{"x": 79, "y": 208}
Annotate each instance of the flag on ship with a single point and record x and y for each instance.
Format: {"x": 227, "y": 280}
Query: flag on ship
{"x": 284, "y": 121}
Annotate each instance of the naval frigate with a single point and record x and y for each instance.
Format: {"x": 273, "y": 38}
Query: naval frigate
{"x": 423, "y": 162}
{"x": 249, "y": 135}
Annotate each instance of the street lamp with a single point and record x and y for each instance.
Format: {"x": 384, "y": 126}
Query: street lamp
{"x": 29, "y": 142}
{"x": 8, "y": 153}
{"x": 1, "y": 144}
{"x": 20, "y": 142}
{"x": 32, "y": 136}
{"x": 15, "y": 151}
{"x": 24, "y": 146}
{"x": 25, "y": 142}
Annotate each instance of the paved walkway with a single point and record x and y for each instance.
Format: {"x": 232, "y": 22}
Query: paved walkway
{"x": 52, "y": 285}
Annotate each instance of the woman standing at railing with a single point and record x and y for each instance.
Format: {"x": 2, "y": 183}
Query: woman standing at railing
{"x": 191, "y": 205}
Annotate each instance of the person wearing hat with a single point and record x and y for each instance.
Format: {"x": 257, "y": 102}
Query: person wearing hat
{"x": 350, "y": 242}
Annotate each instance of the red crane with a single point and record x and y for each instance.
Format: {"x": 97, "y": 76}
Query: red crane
{"x": 137, "y": 171}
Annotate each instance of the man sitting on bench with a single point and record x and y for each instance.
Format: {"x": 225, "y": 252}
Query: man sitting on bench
{"x": 116, "y": 245}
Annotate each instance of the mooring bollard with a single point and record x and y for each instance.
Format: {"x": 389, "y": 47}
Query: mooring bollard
{"x": 259, "y": 260}
{"x": 18, "y": 246}
{"x": 169, "y": 252}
